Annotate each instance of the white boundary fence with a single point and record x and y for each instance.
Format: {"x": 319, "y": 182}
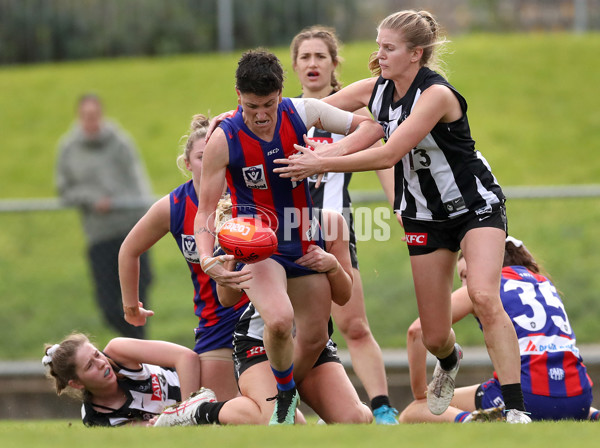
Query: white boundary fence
{"x": 524, "y": 192}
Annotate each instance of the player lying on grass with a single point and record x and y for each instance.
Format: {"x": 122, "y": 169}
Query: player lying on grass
{"x": 326, "y": 388}
{"x": 555, "y": 383}
{"x": 129, "y": 382}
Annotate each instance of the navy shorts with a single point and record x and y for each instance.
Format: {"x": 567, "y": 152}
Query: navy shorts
{"x": 248, "y": 352}
{"x": 540, "y": 407}
{"x": 425, "y": 237}
{"x": 292, "y": 269}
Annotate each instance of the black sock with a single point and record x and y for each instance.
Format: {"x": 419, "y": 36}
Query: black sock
{"x": 208, "y": 413}
{"x": 449, "y": 362}
{"x": 513, "y": 396}
{"x": 379, "y": 401}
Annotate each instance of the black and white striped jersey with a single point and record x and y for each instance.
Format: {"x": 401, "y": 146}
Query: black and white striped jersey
{"x": 250, "y": 325}
{"x": 149, "y": 390}
{"x": 333, "y": 192}
{"x": 444, "y": 176}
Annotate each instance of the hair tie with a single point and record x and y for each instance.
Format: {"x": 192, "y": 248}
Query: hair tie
{"x": 47, "y": 359}
{"x": 516, "y": 242}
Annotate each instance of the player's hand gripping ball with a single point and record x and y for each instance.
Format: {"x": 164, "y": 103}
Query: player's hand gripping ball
{"x": 247, "y": 239}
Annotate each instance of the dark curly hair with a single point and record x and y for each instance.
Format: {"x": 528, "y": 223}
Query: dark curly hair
{"x": 259, "y": 72}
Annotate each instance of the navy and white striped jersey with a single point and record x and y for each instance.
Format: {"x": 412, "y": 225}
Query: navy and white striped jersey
{"x": 149, "y": 390}
{"x": 444, "y": 176}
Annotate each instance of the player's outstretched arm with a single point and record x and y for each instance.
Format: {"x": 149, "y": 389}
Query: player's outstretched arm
{"x": 147, "y": 232}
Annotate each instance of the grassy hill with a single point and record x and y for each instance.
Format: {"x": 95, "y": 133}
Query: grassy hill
{"x": 533, "y": 111}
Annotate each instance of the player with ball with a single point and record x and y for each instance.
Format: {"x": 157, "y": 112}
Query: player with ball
{"x": 241, "y": 152}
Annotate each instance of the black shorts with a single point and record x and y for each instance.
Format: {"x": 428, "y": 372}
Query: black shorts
{"x": 248, "y": 352}
{"x": 424, "y": 237}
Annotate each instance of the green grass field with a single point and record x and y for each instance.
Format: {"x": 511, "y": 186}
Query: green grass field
{"x": 534, "y": 115}
{"x": 491, "y": 435}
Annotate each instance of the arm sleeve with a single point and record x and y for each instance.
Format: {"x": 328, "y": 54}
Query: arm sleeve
{"x": 324, "y": 116}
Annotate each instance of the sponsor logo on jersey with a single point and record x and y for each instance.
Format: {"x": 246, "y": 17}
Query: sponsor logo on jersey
{"x": 416, "y": 239}
{"x": 254, "y": 176}
{"x": 188, "y": 247}
{"x": 156, "y": 390}
{"x": 273, "y": 151}
{"x": 539, "y": 344}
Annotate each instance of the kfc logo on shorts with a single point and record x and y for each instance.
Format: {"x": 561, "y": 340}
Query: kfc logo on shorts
{"x": 254, "y": 176}
{"x": 255, "y": 351}
{"x": 416, "y": 239}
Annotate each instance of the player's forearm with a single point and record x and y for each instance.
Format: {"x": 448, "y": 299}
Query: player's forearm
{"x": 129, "y": 277}
{"x": 366, "y": 134}
{"x": 204, "y": 235}
{"x": 341, "y": 285}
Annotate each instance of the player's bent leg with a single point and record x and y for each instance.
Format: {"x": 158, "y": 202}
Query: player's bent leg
{"x": 464, "y": 398}
{"x": 267, "y": 291}
{"x": 311, "y": 298}
{"x": 434, "y": 304}
{"x": 418, "y": 412}
{"x": 433, "y": 299}
{"x": 217, "y": 373}
{"x": 258, "y": 384}
{"x": 329, "y": 392}
{"x": 367, "y": 359}
{"x": 483, "y": 248}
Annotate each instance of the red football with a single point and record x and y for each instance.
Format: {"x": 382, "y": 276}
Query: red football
{"x": 247, "y": 239}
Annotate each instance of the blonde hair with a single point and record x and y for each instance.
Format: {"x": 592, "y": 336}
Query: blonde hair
{"x": 329, "y": 38}
{"x": 62, "y": 366}
{"x": 223, "y": 211}
{"x": 418, "y": 29}
{"x": 198, "y": 129}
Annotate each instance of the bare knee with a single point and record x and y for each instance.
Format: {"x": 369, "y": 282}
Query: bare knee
{"x": 360, "y": 414}
{"x": 415, "y": 332}
{"x": 356, "y": 329}
{"x": 280, "y": 325}
{"x": 487, "y": 306}
{"x": 436, "y": 344}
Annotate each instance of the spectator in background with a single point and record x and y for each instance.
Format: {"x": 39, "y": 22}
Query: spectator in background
{"x": 100, "y": 172}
